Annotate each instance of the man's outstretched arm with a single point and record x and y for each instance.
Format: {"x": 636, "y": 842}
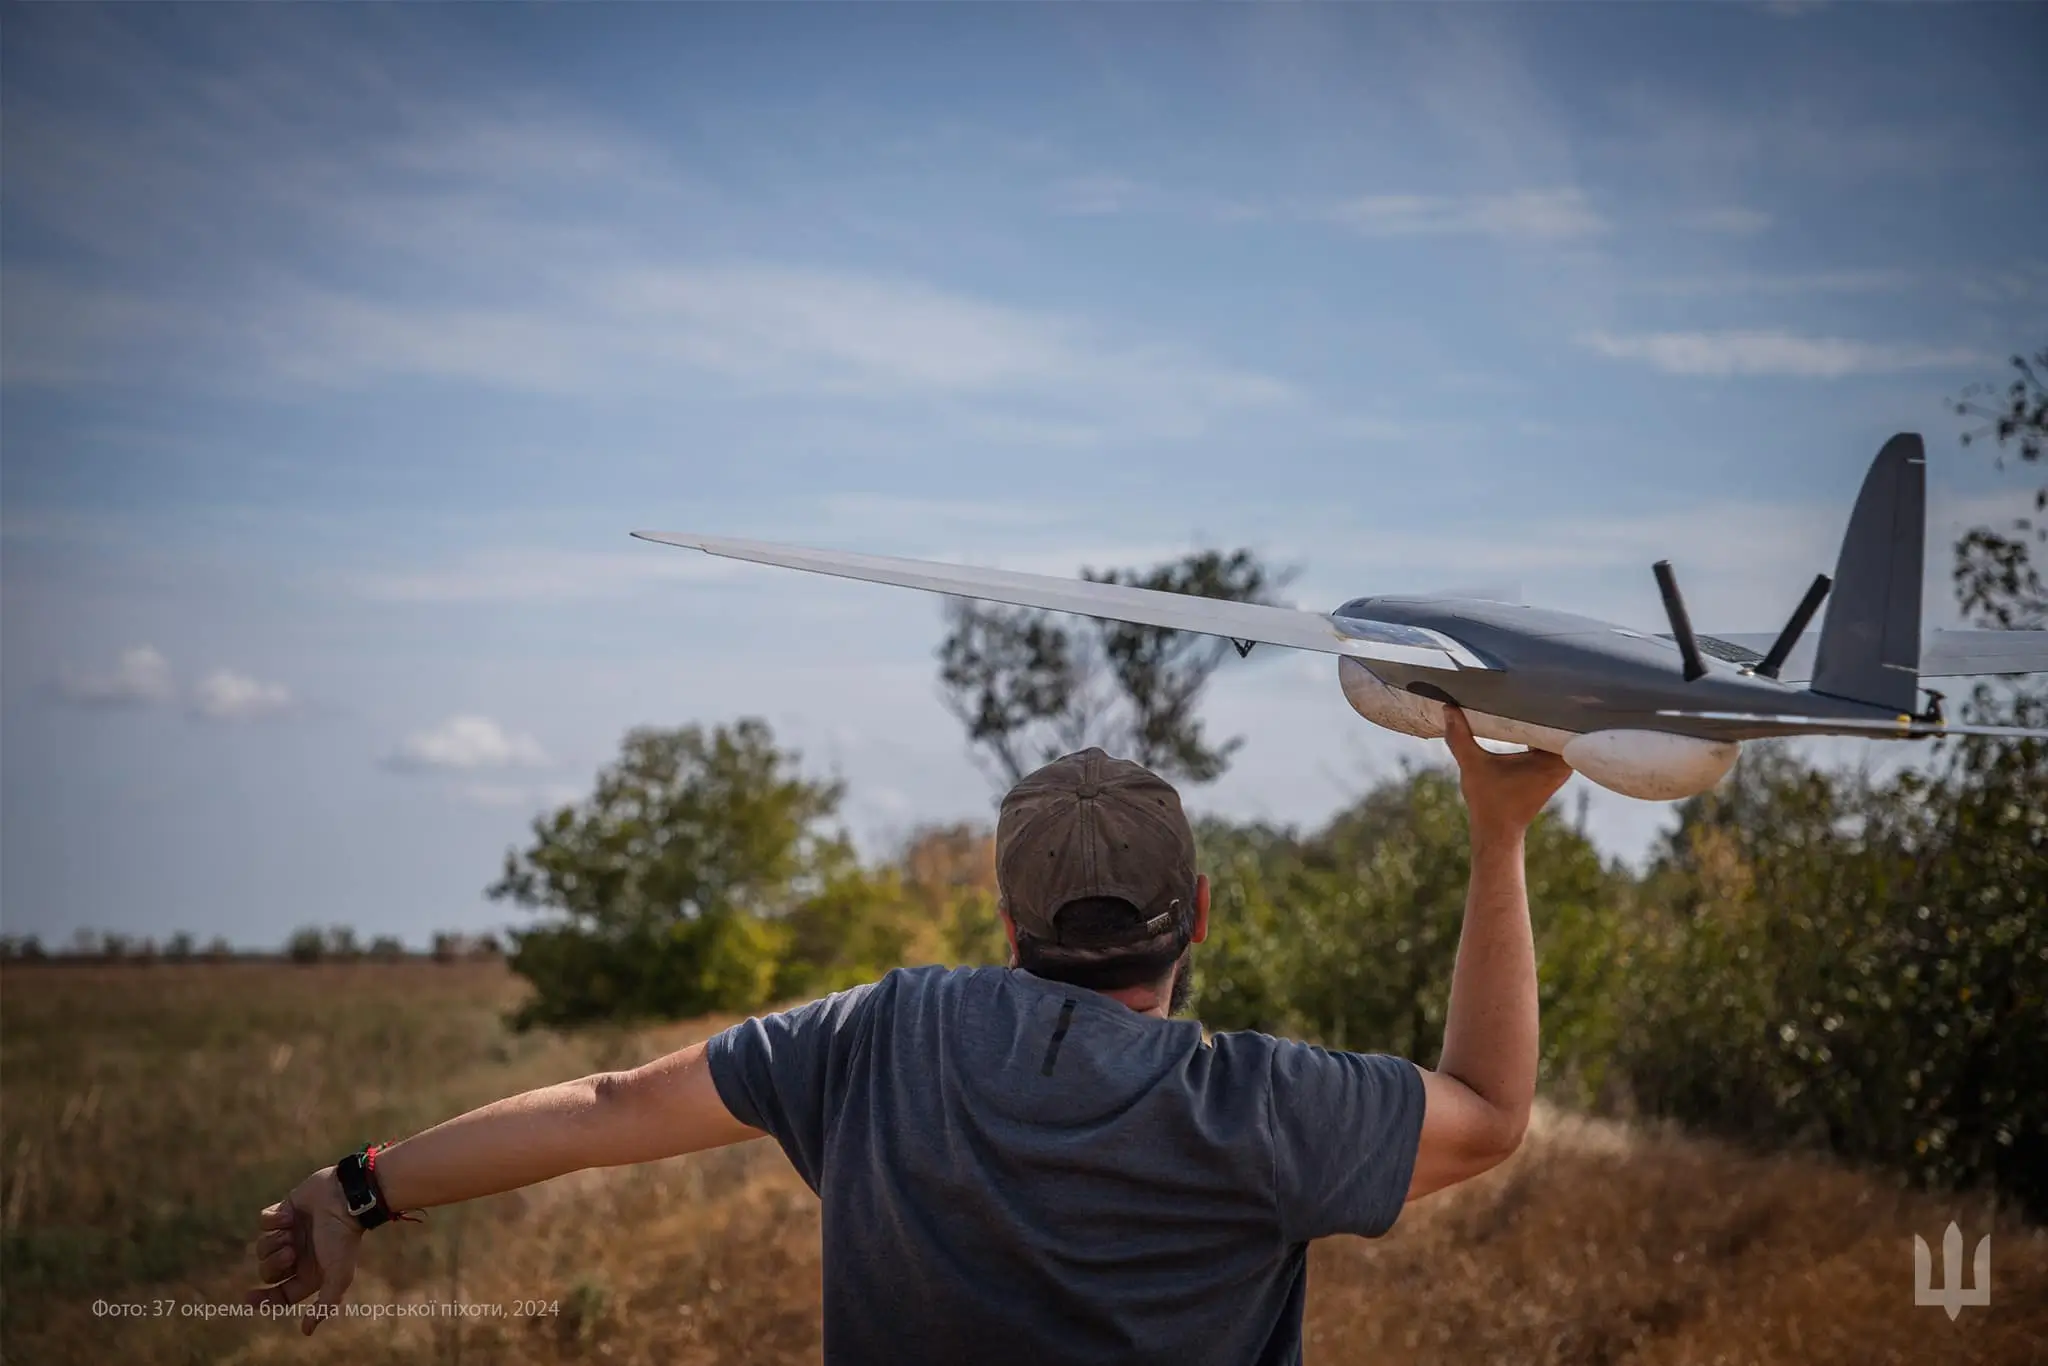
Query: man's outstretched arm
{"x": 1476, "y": 1102}
{"x": 307, "y": 1242}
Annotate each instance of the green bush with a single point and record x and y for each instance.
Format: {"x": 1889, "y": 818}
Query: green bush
{"x": 1858, "y": 965}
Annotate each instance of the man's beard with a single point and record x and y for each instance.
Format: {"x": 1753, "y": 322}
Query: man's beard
{"x": 1183, "y": 983}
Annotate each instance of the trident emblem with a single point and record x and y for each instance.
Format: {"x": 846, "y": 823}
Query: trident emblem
{"x": 1951, "y": 1296}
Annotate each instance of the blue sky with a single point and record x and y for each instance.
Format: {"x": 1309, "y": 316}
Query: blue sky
{"x": 342, "y": 346}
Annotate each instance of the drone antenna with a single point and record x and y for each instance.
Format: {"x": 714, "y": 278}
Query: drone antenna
{"x": 1681, "y": 624}
{"x": 1781, "y": 648}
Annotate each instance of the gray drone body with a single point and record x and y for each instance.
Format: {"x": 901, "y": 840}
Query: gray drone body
{"x": 1658, "y": 716}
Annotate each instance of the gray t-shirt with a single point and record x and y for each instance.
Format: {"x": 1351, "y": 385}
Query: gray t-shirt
{"x": 1017, "y": 1170}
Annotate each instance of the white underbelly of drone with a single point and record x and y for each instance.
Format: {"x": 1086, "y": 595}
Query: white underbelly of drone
{"x": 1652, "y": 765}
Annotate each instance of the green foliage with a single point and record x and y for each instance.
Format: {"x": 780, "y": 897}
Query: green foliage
{"x": 684, "y": 825}
{"x": 1856, "y": 964}
{"x": 1996, "y": 579}
{"x": 671, "y": 880}
{"x": 1349, "y": 935}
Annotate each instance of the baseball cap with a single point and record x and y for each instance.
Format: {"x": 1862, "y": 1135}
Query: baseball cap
{"x": 1086, "y": 826}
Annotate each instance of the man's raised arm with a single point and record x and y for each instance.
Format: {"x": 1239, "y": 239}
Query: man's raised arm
{"x": 1476, "y": 1104}
{"x": 307, "y": 1242}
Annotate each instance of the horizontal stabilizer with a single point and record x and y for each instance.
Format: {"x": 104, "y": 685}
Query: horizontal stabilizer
{"x": 1904, "y": 727}
{"x": 1943, "y": 654}
{"x": 1390, "y": 642}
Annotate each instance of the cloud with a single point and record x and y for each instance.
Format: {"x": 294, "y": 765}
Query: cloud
{"x": 1774, "y": 353}
{"x": 786, "y": 330}
{"x": 1733, "y": 220}
{"x": 507, "y": 244}
{"x": 141, "y": 678}
{"x": 1092, "y": 196}
{"x": 1778, "y": 284}
{"x": 1524, "y": 215}
{"x": 228, "y": 696}
{"x": 467, "y": 743}
{"x": 749, "y": 330}
{"x": 2026, "y": 282}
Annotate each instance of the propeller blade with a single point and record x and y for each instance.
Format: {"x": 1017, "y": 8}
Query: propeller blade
{"x": 1781, "y": 648}
{"x": 1681, "y": 624}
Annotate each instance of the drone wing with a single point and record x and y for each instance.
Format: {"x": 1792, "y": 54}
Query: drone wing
{"x": 1243, "y": 622}
{"x": 1905, "y": 728}
{"x": 1943, "y": 654}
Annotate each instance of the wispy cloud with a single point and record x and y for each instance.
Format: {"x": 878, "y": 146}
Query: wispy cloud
{"x": 1089, "y": 196}
{"x": 141, "y": 678}
{"x": 438, "y": 249}
{"x": 225, "y": 695}
{"x": 1731, "y": 353}
{"x": 467, "y": 743}
{"x": 1730, "y": 220}
{"x": 752, "y": 330}
{"x": 1555, "y": 215}
{"x": 789, "y": 330}
{"x": 2024, "y": 282}
{"x": 1778, "y": 284}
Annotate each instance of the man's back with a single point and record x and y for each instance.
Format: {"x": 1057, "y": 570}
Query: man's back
{"x": 1037, "y": 1165}
{"x": 1013, "y": 1169}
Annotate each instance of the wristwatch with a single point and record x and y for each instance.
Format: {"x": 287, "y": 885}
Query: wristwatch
{"x": 357, "y": 1174}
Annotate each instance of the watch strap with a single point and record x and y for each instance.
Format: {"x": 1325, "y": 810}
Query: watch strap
{"x": 359, "y": 1190}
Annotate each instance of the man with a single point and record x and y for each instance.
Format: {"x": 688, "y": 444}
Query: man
{"x": 1036, "y": 1163}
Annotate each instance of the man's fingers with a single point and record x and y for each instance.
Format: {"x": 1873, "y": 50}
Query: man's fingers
{"x": 275, "y": 1266}
{"x": 1458, "y": 734}
{"x": 267, "y": 1243}
{"x": 277, "y": 1216}
{"x": 283, "y": 1292}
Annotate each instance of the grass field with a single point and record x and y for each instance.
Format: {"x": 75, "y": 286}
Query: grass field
{"x": 147, "y": 1112}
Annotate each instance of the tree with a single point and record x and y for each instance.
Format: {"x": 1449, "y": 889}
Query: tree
{"x": 1030, "y": 687}
{"x": 1995, "y": 574}
{"x": 668, "y": 883}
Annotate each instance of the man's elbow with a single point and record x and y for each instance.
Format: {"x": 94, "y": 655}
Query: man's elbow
{"x": 615, "y": 1099}
{"x": 1501, "y": 1137}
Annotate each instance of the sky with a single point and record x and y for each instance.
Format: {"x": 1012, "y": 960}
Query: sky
{"x": 340, "y": 348}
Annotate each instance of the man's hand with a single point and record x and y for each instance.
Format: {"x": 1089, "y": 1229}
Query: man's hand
{"x": 306, "y": 1246}
{"x": 1504, "y": 792}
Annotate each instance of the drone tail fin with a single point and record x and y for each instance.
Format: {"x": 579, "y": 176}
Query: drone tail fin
{"x": 1870, "y": 642}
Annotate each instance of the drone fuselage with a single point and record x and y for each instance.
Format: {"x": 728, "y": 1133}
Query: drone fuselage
{"x": 1589, "y": 690}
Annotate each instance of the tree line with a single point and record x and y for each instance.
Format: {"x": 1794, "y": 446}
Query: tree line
{"x": 307, "y": 944}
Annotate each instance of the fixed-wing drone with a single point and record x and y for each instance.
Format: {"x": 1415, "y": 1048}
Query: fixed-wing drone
{"x": 1657, "y": 716}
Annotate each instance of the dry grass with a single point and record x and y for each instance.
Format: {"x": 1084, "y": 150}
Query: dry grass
{"x": 149, "y": 1111}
